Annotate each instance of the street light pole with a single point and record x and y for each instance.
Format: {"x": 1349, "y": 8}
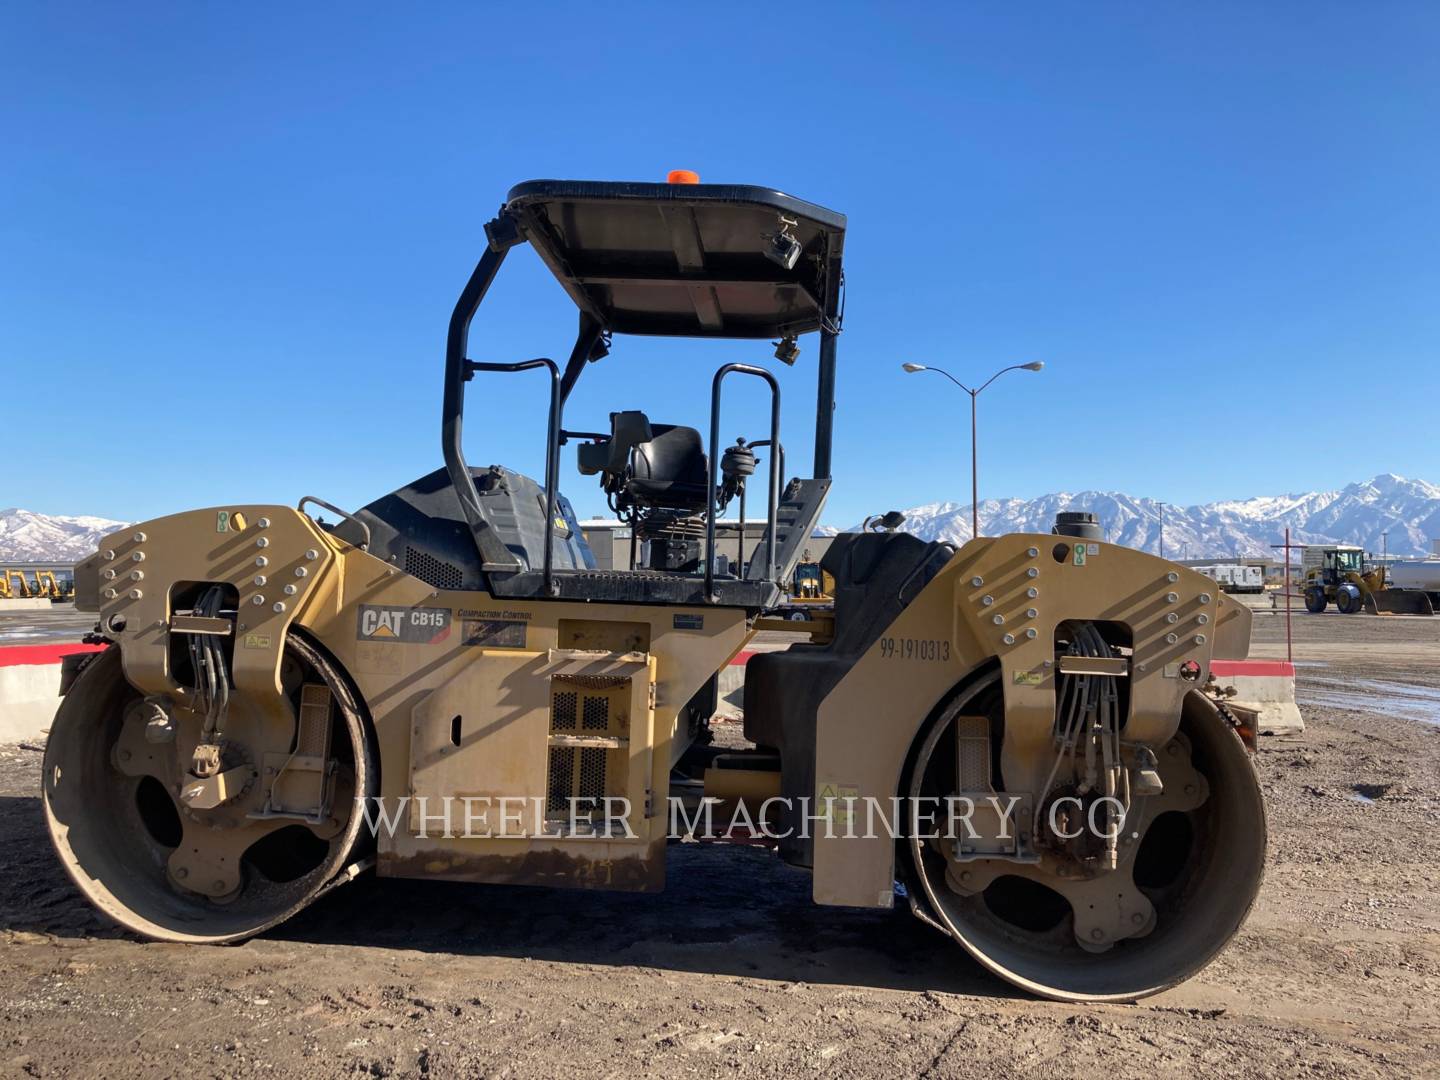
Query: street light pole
{"x": 1034, "y": 365}
{"x": 974, "y": 471}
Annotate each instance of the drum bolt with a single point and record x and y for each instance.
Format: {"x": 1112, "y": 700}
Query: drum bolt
{"x": 1030, "y": 613}
{"x": 219, "y": 885}
{"x": 1033, "y": 552}
{"x": 977, "y": 581}
{"x": 1199, "y": 639}
{"x": 264, "y": 523}
{"x": 300, "y": 571}
{"x": 1031, "y": 633}
{"x": 1172, "y": 618}
{"x": 1171, "y": 597}
{"x": 139, "y": 556}
{"x": 312, "y": 554}
{"x": 136, "y": 594}
{"x": 279, "y": 605}
{"x": 1032, "y": 592}
{"x": 1097, "y": 934}
{"x": 137, "y": 575}
{"x": 1137, "y": 918}
{"x": 1202, "y": 618}
{"x": 1032, "y": 572}
{"x": 262, "y": 561}
{"x": 124, "y": 755}
{"x": 1008, "y": 639}
{"x": 181, "y": 872}
{"x": 258, "y": 600}
{"x": 1172, "y": 577}
{"x": 1170, "y": 639}
{"x": 110, "y": 594}
{"x": 966, "y": 875}
{"x": 1204, "y": 598}
{"x": 289, "y": 590}
{"x": 987, "y": 600}
{"x": 139, "y": 537}
{"x": 108, "y": 555}
{"x": 264, "y": 541}
{"x": 109, "y": 575}
{"x": 259, "y": 579}
{"x": 1190, "y": 789}
{"x": 998, "y": 620}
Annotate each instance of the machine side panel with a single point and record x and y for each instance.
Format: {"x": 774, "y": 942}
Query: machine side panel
{"x": 422, "y": 657}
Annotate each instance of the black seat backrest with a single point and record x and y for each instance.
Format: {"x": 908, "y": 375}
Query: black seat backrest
{"x": 670, "y": 470}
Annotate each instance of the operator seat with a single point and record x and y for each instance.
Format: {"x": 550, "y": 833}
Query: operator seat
{"x": 670, "y": 470}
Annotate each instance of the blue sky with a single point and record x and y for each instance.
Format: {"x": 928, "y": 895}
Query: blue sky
{"x": 232, "y": 236}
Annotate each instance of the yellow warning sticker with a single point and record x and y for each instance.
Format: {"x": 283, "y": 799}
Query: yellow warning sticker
{"x": 1029, "y": 678}
{"x": 257, "y": 641}
{"x": 836, "y": 802}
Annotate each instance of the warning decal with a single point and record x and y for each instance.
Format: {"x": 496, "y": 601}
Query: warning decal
{"x": 495, "y": 633}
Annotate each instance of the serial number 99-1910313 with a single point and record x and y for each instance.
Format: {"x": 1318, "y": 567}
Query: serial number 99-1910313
{"x": 907, "y": 648}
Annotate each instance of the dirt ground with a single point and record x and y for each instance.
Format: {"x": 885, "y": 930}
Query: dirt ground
{"x": 733, "y": 971}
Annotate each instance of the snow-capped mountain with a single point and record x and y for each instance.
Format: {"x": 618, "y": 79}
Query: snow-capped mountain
{"x": 1407, "y": 510}
{"x": 29, "y": 537}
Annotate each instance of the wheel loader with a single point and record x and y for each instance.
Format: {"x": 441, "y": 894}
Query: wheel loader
{"x": 1340, "y": 574}
{"x": 442, "y": 685}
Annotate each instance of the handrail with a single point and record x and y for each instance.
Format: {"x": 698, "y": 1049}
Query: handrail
{"x": 552, "y": 448}
{"x": 365, "y": 529}
{"x": 773, "y": 497}
{"x": 493, "y": 554}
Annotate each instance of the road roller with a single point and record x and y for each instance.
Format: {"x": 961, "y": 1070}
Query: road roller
{"x": 1017, "y": 739}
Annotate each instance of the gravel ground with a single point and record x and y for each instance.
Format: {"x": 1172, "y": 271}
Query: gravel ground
{"x": 732, "y": 971}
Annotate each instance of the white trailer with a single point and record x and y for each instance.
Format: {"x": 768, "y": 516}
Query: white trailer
{"x": 1235, "y": 577}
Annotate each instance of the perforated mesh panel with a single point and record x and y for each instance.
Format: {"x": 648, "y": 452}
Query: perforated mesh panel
{"x": 433, "y": 571}
{"x": 972, "y": 750}
{"x": 592, "y": 774}
{"x": 313, "y": 735}
{"x": 587, "y": 707}
{"x": 563, "y": 714}
{"x": 596, "y": 714}
{"x": 561, "y": 782}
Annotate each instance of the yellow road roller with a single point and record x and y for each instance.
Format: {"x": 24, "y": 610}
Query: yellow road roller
{"x": 1018, "y": 739}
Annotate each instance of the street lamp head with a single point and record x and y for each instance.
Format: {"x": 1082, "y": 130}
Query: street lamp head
{"x": 912, "y": 368}
{"x": 1034, "y": 365}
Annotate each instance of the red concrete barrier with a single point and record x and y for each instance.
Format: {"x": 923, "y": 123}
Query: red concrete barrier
{"x": 1268, "y": 687}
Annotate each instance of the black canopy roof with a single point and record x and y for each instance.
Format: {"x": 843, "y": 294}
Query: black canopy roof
{"x": 684, "y": 259}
